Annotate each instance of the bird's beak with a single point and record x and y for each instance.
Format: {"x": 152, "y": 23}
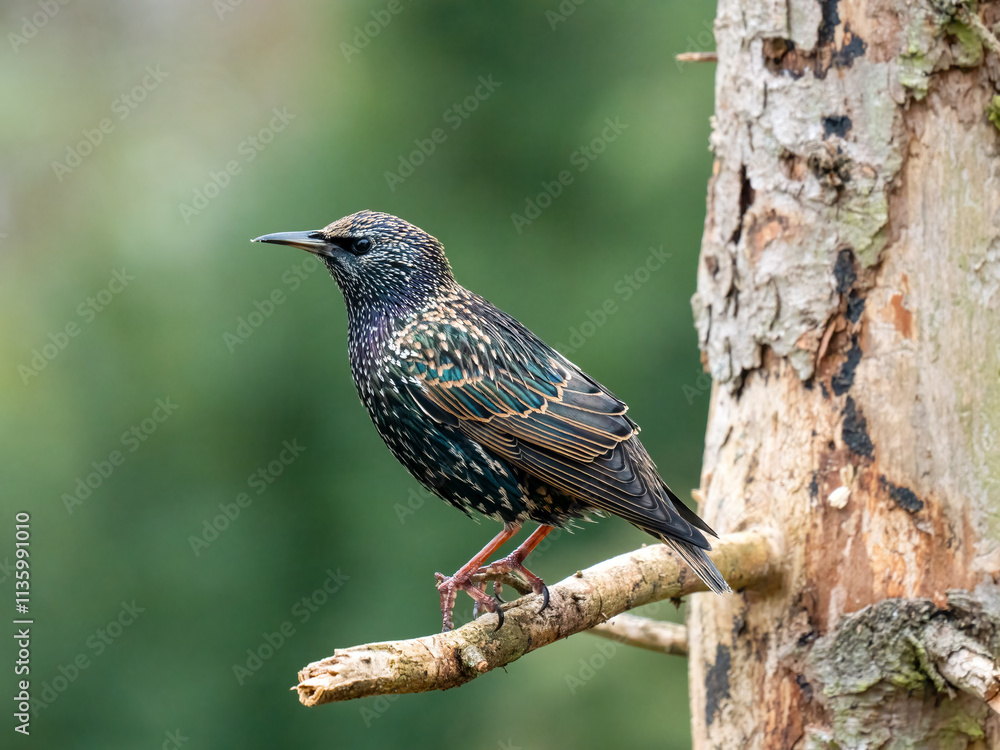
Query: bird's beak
{"x": 314, "y": 242}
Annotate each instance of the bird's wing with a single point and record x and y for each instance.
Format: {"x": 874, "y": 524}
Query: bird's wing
{"x": 506, "y": 389}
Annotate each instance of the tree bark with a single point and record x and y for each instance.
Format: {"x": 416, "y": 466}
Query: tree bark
{"x": 848, "y": 309}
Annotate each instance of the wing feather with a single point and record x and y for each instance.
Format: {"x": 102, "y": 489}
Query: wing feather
{"x": 507, "y": 390}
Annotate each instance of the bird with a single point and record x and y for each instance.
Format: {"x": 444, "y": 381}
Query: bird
{"x": 482, "y": 412}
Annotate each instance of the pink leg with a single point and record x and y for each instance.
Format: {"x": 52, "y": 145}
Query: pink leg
{"x": 449, "y": 586}
{"x": 514, "y": 562}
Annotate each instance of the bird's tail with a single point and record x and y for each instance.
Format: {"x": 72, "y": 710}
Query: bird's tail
{"x": 702, "y": 565}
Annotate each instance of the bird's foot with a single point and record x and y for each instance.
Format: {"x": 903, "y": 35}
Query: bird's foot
{"x": 449, "y": 586}
{"x": 514, "y": 563}
{"x": 470, "y": 577}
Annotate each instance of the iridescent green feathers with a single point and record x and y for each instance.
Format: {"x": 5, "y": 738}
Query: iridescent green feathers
{"x": 471, "y": 367}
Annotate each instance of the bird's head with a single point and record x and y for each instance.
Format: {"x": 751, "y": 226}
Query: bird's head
{"x": 377, "y": 259}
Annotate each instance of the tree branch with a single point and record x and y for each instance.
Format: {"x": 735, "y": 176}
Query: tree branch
{"x": 711, "y": 56}
{"x": 644, "y": 632}
{"x": 748, "y": 560}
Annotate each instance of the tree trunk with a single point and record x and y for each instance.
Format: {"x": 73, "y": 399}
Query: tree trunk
{"x": 848, "y": 309}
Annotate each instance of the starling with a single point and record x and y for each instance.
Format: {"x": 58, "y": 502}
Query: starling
{"x": 481, "y": 411}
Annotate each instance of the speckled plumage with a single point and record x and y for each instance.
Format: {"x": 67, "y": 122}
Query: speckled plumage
{"x": 476, "y": 407}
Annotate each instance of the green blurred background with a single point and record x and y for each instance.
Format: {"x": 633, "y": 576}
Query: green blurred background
{"x": 173, "y": 92}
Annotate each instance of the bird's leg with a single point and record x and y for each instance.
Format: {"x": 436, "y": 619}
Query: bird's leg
{"x": 449, "y": 586}
{"x": 514, "y": 562}
{"x": 477, "y": 607}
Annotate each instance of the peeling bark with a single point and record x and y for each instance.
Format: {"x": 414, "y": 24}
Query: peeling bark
{"x": 890, "y": 661}
{"x": 848, "y": 309}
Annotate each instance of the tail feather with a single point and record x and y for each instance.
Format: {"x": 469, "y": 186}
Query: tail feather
{"x": 686, "y": 513}
{"x": 701, "y": 564}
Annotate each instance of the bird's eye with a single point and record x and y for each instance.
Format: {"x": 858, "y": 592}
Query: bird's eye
{"x": 362, "y": 246}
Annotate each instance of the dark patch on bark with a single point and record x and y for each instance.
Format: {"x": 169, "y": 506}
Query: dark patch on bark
{"x": 830, "y": 166}
{"x": 761, "y": 645}
{"x": 843, "y": 270}
{"x": 781, "y": 57}
{"x": 717, "y": 682}
{"x": 806, "y": 639}
{"x": 746, "y": 200}
{"x": 843, "y": 380}
{"x": 739, "y": 624}
{"x": 712, "y": 265}
{"x": 741, "y": 380}
{"x": 791, "y": 165}
{"x": 854, "y": 48}
{"x": 837, "y": 125}
{"x": 855, "y": 431}
{"x": 804, "y": 687}
{"x": 831, "y": 19}
{"x": 813, "y": 487}
{"x": 904, "y": 497}
{"x": 855, "y": 306}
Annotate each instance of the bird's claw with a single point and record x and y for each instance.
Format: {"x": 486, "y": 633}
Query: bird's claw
{"x": 511, "y": 564}
{"x": 449, "y": 586}
{"x": 545, "y": 598}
